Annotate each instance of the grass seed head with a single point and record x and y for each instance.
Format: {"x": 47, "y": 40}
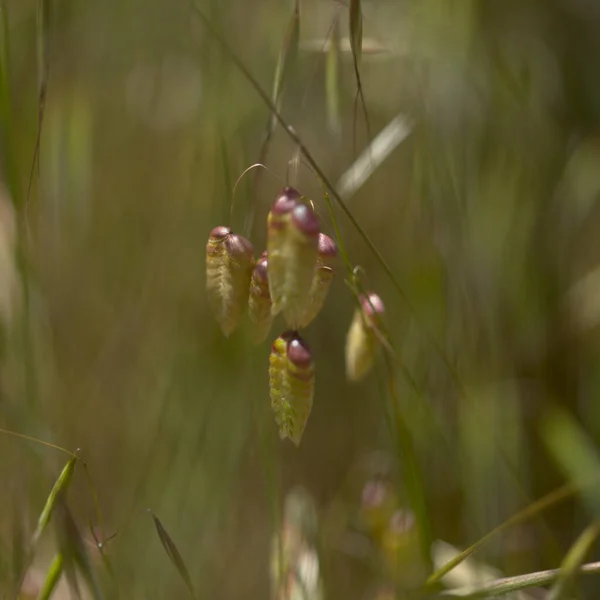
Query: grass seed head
{"x": 322, "y": 277}
{"x": 259, "y": 302}
{"x": 291, "y": 382}
{"x": 229, "y": 265}
{"x": 362, "y": 342}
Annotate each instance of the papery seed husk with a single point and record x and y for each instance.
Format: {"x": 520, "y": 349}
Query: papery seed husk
{"x": 259, "y": 301}
{"x": 362, "y": 342}
{"x": 292, "y": 381}
{"x": 278, "y": 223}
{"x": 229, "y": 265}
{"x": 300, "y": 252}
{"x": 322, "y": 278}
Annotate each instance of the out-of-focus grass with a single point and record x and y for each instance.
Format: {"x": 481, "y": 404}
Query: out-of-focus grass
{"x": 486, "y": 215}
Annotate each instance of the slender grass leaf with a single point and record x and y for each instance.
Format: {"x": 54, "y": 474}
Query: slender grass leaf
{"x": 173, "y": 554}
{"x": 53, "y": 576}
{"x": 286, "y": 62}
{"x": 575, "y": 454}
{"x": 74, "y": 551}
{"x": 62, "y": 483}
{"x": 507, "y": 585}
{"x": 390, "y": 137}
{"x": 332, "y": 82}
{"x": 556, "y": 496}
{"x": 356, "y": 30}
{"x": 9, "y": 167}
{"x": 573, "y": 560}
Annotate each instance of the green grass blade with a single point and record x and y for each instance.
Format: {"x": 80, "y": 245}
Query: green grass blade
{"x": 506, "y": 585}
{"x": 173, "y": 554}
{"x": 10, "y": 167}
{"x": 74, "y": 549}
{"x": 62, "y": 483}
{"x": 332, "y": 82}
{"x": 411, "y": 470}
{"x": 534, "y": 509}
{"x": 53, "y": 576}
{"x": 356, "y": 30}
{"x": 286, "y": 61}
{"x": 56, "y": 493}
{"x": 573, "y": 561}
{"x": 575, "y": 453}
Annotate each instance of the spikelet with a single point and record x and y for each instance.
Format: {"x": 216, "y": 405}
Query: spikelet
{"x": 292, "y": 247}
{"x": 291, "y": 383}
{"x": 322, "y": 277}
{"x": 229, "y": 264}
{"x": 259, "y": 302}
{"x": 278, "y": 223}
{"x": 362, "y": 342}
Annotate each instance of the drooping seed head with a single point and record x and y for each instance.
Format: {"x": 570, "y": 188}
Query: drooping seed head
{"x": 362, "y": 342}
{"x": 229, "y": 264}
{"x": 378, "y": 502}
{"x": 259, "y": 301}
{"x": 291, "y": 379}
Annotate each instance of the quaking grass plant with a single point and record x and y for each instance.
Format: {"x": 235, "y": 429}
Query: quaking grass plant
{"x": 495, "y": 128}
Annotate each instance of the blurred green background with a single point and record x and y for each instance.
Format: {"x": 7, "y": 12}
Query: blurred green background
{"x": 487, "y": 213}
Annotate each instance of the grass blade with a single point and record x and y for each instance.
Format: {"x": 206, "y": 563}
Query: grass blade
{"x": 390, "y": 137}
{"x": 53, "y": 576}
{"x": 74, "y": 550}
{"x": 573, "y": 561}
{"x": 356, "y": 41}
{"x": 356, "y": 30}
{"x": 506, "y": 585}
{"x": 551, "y": 499}
{"x": 59, "y": 488}
{"x": 575, "y": 453}
{"x": 286, "y": 62}
{"x": 173, "y": 554}
{"x": 56, "y": 493}
{"x": 332, "y": 82}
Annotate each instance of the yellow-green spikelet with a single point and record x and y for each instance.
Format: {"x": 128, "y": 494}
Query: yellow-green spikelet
{"x": 293, "y": 232}
{"x": 292, "y": 379}
{"x": 362, "y": 342}
{"x": 278, "y": 223}
{"x": 322, "y": 278}
{"x": 259, "y": 301}
{"x": 229, "y": 264}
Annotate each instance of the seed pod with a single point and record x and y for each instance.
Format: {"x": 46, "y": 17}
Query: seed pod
{"x": 291, "y": 382}
{"x": 259, "y": 302}
{"x": 292, "y": 247}
{"x": 278, "y": 223}
{"x": 322, "y": 277}
{"x": 362, "y": 342}
{"x": 229, "y": 264}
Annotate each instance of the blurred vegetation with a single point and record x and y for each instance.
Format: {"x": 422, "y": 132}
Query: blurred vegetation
{"x": 486, "y": 213}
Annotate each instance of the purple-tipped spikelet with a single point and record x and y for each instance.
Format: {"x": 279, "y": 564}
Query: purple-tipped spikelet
{"x": 229, "y": 264}
{"x": 362, "y": 342}
{"x": 259, "y": 302}
{"x": 322, "y": 277}
{"x": 293, "y": 232}
{"x": 291, "y": 383}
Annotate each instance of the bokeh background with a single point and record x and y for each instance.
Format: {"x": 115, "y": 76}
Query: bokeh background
{"x": 487, "y": 214}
